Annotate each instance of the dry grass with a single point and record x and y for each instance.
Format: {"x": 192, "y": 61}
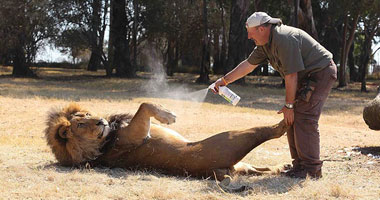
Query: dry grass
{"x": 28, "y": 170}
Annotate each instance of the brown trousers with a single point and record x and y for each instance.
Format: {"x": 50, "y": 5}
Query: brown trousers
{"x": 303, "y": 137}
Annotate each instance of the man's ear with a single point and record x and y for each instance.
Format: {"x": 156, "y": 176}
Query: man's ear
{"x": 63, "y": 131}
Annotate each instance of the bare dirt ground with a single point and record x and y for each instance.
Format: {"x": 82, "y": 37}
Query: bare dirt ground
{"x": 28, "y": 169}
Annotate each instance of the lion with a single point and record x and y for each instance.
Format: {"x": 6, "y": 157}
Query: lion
{"x": 77, "y": 137}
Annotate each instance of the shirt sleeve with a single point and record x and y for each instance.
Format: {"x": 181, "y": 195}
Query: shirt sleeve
{"x": 289, "y": 54}
{"x": 258, "y": 56}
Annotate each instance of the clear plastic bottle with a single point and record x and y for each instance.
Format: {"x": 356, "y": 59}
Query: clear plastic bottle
{"x": 227, "y": 94}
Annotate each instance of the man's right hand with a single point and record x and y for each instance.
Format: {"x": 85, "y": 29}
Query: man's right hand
{"x": 239, "y": 71}
{"x": 217, "y": 84}
{"x": 288, "y": 115}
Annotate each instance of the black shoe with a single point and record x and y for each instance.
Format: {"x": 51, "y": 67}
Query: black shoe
{"x": 315, "y": 175}
{"x": 288, "y": 168}
{"x": 303, "y": 173}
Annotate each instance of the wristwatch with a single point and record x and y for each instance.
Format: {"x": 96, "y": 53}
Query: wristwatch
{"x": 289, "y": 105}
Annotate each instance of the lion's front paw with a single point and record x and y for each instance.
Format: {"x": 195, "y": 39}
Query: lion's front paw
{"x": 165, "y": 116}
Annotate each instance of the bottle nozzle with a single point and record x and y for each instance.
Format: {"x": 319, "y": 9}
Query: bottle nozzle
{"x": 211, "y": 87}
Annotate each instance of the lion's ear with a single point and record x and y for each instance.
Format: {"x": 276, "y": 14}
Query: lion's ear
{"x": 63, "y": 131}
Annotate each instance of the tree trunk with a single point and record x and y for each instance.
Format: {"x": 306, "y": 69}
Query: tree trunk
{"x": 96, "y": 47}
{"x": 176, "y": 54}
{"x": 296, "y": 10}
{"x": 171, "y": 58}
{"x": 237, "y": 45}
{"x": 121, "y": 54}
{"x": 20, "y": 68}
{"x": 134, "y": 34}
{"x": 111, "y": 49}
{"x": 364, "y": 70}
{"x": 354, "y": 76}
{"x": 258, "y": 5}
{"x": 346, "y": 47}
{"x": 223, "y": 50}
{"x": 217, "y": 64}
{"x": 16, "y": 46}
{"x": 303, "y": 16}
{"x": 95, "y": 59}
{"x": 369, "y": 31}
{"x": 342, "y": 67}
{"x": 205, "y": 61}
{"x": 103, "y": 56}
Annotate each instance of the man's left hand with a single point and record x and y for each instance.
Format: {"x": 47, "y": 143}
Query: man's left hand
{"x": 288, "y": 115}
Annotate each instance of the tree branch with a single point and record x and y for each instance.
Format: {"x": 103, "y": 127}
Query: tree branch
{"x": 375, "y": 52}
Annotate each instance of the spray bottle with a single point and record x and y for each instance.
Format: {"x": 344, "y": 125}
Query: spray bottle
{"x": 227, "y": 94}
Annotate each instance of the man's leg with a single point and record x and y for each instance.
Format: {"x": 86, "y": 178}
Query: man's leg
{"x": 293, "y": 148}
{"x": 306, "y": 117}
{"x": 307, "y": 140}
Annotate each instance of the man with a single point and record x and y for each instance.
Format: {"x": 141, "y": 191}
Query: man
{"x": 309, "y": 73}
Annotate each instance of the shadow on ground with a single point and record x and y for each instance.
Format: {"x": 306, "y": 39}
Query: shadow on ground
{"x": 249, "y": 185}
{"x": 270, "y": 185}
{"x": 374, "y": 151}
{"x": 142, "y": 173}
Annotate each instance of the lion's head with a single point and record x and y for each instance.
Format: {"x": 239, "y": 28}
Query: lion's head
{"x": 74, "y": 135}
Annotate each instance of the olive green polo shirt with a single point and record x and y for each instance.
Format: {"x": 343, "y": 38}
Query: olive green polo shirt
{"x": 291, "y": 50}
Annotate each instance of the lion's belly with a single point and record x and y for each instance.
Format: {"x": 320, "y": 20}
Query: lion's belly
{"x": 165, "y": 149}
{"x": 167, "y": 134}
{"x": 168, "y": 150}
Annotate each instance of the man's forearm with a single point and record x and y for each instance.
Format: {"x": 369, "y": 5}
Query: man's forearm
{"x": 239, "y": 71}
{"x": 291, "y": 87}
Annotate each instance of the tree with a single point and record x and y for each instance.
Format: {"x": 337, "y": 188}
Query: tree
{"x": 303, "y": 16}
{"x": 120, "y": 42}
{"x": 136, "y": 8}
{"x": 175, "y": 29}
{"x": 96, "y": 34}
{"x": 351, "y": 13}
{"x": 217, "y": 26}
{"x": 173, "y": 37}
{"x": 162, "y": 24}
{"x": 87, "y": 18}
{"x": 23, "y": 27}
{"x": 71, "y": 41}
{"x": 237, "y": 44}
{"x": 371, "y": 23}
{"x": 329, "y": 19}
{"x": 205, "y": 61}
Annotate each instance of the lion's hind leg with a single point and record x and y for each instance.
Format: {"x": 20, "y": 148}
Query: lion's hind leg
{"x": 242, "y": 168}
{"x": 138, "y": 129}
{"x": 239, "y": 168}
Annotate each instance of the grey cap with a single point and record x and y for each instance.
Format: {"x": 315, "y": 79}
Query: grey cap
{"x": 259, "y": 18}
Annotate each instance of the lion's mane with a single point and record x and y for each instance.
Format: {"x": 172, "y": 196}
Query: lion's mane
{"x": 77, "y": 150}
